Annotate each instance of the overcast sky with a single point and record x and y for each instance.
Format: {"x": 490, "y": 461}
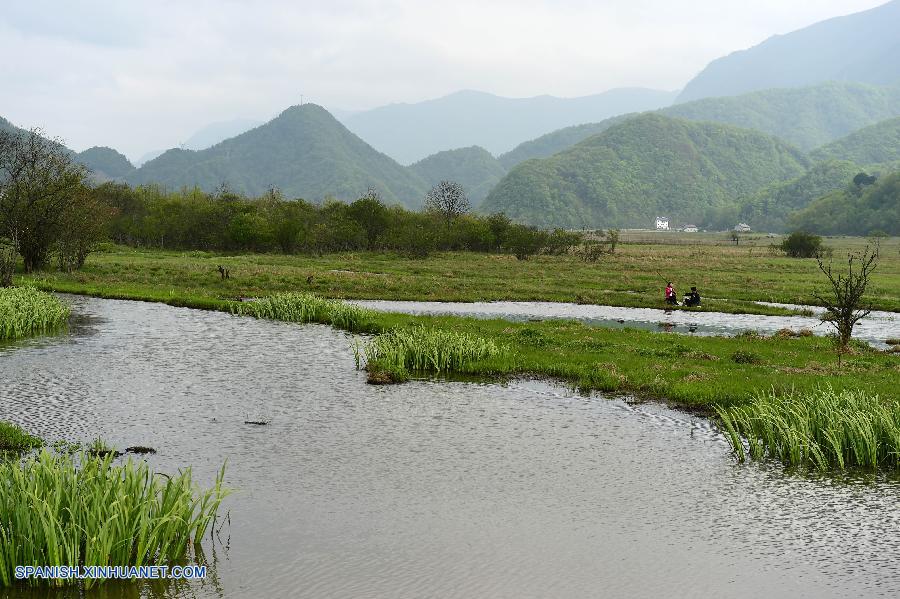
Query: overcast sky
{"x": 141, "y": 75}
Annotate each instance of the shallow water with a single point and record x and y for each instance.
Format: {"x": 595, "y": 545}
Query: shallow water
{"x": 874, "y": 329}
{"x": 434, "y": 488}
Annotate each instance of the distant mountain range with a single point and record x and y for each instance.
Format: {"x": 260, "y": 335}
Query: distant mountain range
{"x": 646, "y": 166}
{"x": 474, "y": 168}
{"x": 862, "y": 47}
{"x": 872, "y": 145}
{"x": 410, "y": 132}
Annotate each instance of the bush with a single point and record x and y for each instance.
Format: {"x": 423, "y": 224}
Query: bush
{"x": 745, "y": 357}
{"x": 525, "y": 242}
{"x": 801, "y": 244}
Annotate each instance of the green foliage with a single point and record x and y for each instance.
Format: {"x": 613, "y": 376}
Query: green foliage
{"x": 854, "y": 210}
{"x": 872, "y": 145}
{"x": 13, "y": 438}
{"x": 801, "y": 244}
{"x": 60, "y": 510}
{"x": 25, "y": 311}
{"x": 423, "y": 349}
{"x": 770, "y": 209}
{"x": 525, "y": 242}
{"x": 742, "y": 356}
{"x": 557, "y": 141}
{"x": 306, "y": 307}
{"x": 821, "y": 428}
{"x": 646, "y": 166}
{"x": 474, "y": 168}
{"x": 305, "y": 151}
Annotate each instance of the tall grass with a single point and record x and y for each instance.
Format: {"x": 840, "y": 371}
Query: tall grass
{"x": 306, "y": 307}
{"x": 25, "y": 311}
{"x": 429, "y": 350}
{"x": 14, "y": 438}
{"x": 822, "y": 428}
{"x": 65, "y": 510}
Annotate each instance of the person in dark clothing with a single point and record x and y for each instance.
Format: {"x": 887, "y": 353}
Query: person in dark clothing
{"x": 692, "y": 298}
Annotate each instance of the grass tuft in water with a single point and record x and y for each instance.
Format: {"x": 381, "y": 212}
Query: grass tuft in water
{"x": 81, "y": 510}
{"x": 306, "y": 307}
{"x": 422, "y": 349}
{"x": 822, "y": 428}
{"x": 13, "y": 438}
{"x": 25, "y": 311}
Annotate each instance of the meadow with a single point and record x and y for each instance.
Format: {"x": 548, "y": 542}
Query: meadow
{"x": 730, "y": 277}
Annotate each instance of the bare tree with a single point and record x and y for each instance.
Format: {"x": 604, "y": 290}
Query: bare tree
{"x": 448, "y": 199}
{"x": 39, "y": 181}
{"x": 844, "y": 304}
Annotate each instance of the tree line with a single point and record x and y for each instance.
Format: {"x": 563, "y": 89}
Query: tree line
{"x": 51, "y": 215}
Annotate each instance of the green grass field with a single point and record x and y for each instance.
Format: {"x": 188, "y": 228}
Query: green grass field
{"x": 729, "y": 277}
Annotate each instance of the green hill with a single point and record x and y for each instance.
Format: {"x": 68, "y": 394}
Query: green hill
{"x": 557, "y": 141}
{"x": 647, "y": 166}
{"x": 875, "y": 144}
{"x": 769, "y": 209}
{"x": 807, "y": 117}
{"x": 304, "y": 151}
{"x": 854, "y": 210}
{"x": 474, "y": 168}
{"x": 105, "y": 163}
{"x": 860, "y": 47}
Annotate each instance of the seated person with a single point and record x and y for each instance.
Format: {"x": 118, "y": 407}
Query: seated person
{"x": 671, "y": 296}
{"x": 692, "y": 298}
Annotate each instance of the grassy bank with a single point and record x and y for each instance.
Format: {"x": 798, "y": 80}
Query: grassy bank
{"x": 14, "y": 439}
{"x": 738, "y": 275}
{"x": 25, "y": 311}
{"x": 65, "y": 510}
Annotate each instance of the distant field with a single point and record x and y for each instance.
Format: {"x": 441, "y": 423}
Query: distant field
{"x": 729, "y": 277}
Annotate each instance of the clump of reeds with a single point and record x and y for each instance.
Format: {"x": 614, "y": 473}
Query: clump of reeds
{"x": 425, "y": 349}
{"x": 81, "y": 510}
{"x": 306, "y": 307}
{"x": 13, "y": 438}
{"x": 821, "y": 428}
{"x": 25, "y": 311}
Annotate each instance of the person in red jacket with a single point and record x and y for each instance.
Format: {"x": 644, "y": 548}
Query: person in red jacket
{"x": 671, "y": 296}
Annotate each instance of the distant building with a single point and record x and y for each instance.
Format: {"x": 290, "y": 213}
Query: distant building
{"x": 690, "y": 229}
{"x": 662, "y": 223}
{"x": 742, "y": 228}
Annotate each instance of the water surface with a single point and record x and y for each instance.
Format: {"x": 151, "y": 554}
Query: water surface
{"x": 435, "y": 489}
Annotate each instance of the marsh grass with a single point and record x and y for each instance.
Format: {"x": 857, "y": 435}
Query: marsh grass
{"x": 81, "y": 510}
{"x": 821, "y": 428}
{"x": 423, "y": 349}
{"x": 25, "y": 311}
{"x": 306, "y": 307}
{"x": 13, "y": 438}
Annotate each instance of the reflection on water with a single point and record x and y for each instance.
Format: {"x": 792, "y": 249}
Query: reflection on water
{"x": 874, "y": 329}
{"x": 438, "y": 489}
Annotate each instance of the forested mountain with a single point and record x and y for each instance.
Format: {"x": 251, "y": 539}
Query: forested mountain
{"x": 474, "y": 168}
{"x": 855, "y": 210}
{"x": 105, "y": 163}
{"x": 806, "y": 117}
{"x": 876, "y": 144}
{"x": 304, "y": 151}
{"x": 557, "y": 141}
{"x": 770, "y": 208}
{"x": 214, "y": 133}
{"x": 6, "y": 125}
{"x": 646, "y": 166}
{"x": 410, "y": 132}
{"x": 862, "y": 47}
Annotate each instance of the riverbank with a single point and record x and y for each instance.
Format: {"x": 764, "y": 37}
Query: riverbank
{"x": 731, "y": 278}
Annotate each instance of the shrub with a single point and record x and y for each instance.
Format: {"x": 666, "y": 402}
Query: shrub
{"x": 800, "y": 244}
{"x": 745, "y": 357}
{"x": 525, "y": 242}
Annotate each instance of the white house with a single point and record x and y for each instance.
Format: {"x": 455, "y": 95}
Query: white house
{"x": 690, "y": 229}
{"x": 742, "y": 228}
{"x": 662, "y": 223}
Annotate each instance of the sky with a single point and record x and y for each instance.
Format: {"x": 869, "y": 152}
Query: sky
{"x": 144, "y": 75}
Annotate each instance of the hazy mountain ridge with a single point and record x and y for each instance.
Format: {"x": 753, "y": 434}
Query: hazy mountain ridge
{"x": 872, "y": 145}
{"x": 861, "y": 47}
{"x": 410, "y": 132}
{"x": 645, "y": 166}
